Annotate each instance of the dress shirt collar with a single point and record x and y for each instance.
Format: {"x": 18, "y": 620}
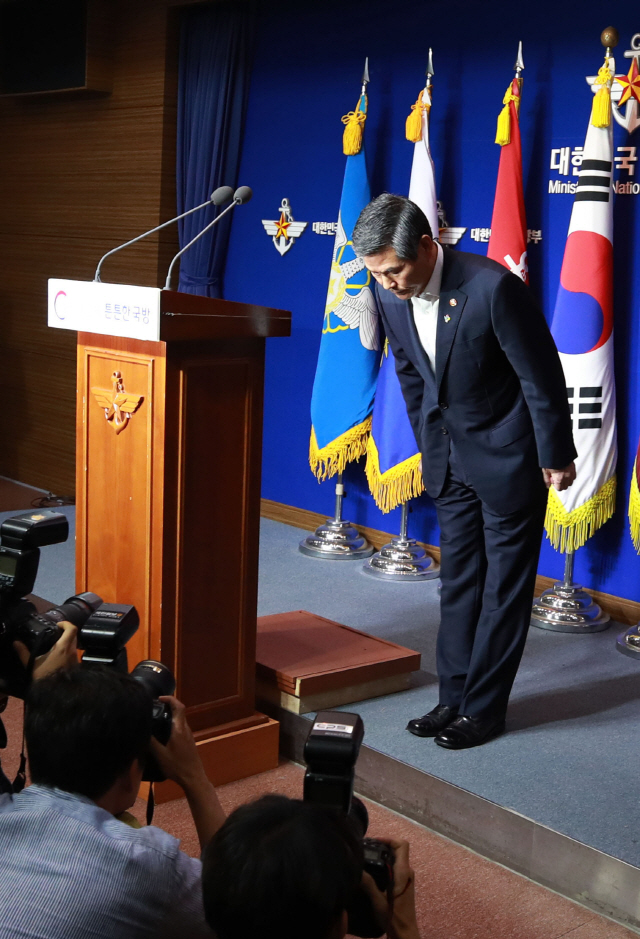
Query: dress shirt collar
{"x": 432, "y": 290}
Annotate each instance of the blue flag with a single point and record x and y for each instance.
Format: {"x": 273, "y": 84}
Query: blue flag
{"x": 349, "y": 357}
{"x": 393, "y": 461}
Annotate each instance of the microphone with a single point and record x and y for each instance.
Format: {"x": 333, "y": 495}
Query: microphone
{"x": 221, "y": 195}
{"x": 243, "y": 194}
{"x": 240, "y": 196}
{"x": 218, "y": 197}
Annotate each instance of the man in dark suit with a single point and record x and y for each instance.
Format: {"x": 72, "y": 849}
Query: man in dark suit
{"x": 486, "y": 397}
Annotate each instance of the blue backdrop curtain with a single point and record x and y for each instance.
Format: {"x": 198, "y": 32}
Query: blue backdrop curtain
{"x": 216, "y": 47}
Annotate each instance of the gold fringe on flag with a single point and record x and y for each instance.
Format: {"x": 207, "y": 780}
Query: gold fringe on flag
{"x": 601, "y": 107}
{"x": 503, "y": 130}
{"x": 354, "y": 129}
{"x": 399, "y": 484}
{"x": 634, "y": 508}
{"x": 413, "y": 127}
{"x": 568, "y": 531}
{"x": 333, "y": 458}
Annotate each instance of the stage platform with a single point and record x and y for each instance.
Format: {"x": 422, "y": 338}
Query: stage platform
{"x": 554, "y": 799}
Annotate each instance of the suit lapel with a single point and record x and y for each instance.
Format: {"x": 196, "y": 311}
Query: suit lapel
{"x": 452, "y": 301}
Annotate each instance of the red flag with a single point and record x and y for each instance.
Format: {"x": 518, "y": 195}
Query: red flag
{"x": 508, "y": 242}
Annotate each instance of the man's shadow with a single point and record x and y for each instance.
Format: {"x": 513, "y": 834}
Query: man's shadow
{"x": 588, "y": 699}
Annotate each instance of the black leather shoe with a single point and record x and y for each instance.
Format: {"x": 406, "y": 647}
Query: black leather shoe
{"x": 433, "y": 722}
{"x": 465, "y": 732}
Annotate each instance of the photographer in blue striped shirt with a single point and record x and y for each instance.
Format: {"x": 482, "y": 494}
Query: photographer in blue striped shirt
{"x": 70, "y": 868}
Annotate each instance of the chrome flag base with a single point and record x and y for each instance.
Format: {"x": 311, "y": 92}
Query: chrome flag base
{"x": 629, "y": 643}
{"x": 336, "y": 540}
{"x": 567, "y": 608}
{"x": 403, "y": 559}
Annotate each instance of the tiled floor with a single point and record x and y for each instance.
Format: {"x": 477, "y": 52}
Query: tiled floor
{"x": 460, "y": 895}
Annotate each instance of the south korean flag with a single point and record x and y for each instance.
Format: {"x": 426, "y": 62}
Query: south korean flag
{"x": 583, "y": 330}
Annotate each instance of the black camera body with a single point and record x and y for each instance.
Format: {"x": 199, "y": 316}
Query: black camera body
{"x": 330, "y": 752}
{"x": 103, "y": 628}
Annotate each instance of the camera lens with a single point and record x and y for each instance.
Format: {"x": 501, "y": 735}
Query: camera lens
{"x": 155, "y": 677}
{"x": 76, "y": 610}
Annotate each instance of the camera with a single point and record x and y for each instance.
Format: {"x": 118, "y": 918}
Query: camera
{"x": 103, "y": 628}
{"x": 330, "y": 752}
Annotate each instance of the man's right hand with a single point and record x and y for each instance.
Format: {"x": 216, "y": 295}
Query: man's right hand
{"x": 400, "y": 914}
{"x": 179, "y": 760}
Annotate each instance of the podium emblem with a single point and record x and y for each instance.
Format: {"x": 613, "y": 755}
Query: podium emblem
{"x": 118, "y": 404}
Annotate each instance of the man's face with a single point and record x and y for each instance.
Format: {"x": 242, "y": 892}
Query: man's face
{"x": 403, "y": 278}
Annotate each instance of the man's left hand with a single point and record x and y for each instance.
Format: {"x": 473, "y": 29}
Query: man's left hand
{"x": 559, "y": 478}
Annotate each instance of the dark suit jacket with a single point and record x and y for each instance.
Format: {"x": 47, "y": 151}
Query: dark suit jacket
{"x": 499, "y": 391}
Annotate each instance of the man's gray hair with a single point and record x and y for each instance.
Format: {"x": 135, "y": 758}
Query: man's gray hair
{"x": 390, "y": 221}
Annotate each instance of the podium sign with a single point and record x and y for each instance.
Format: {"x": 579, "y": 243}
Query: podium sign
{"x": 124, "y": 310}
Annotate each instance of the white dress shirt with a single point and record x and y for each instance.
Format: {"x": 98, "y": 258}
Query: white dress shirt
{"x": 425, "y": 310}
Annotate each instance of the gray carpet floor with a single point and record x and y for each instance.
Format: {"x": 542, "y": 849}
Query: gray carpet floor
{"x": 571, "y": 757}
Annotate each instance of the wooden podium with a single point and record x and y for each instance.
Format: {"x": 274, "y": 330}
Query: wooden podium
{"x": 169, "y": 451}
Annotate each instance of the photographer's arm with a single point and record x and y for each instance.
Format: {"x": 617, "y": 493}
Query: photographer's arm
{"x": 61, "y": 655}
{"x": 180, "y": 761}
{"x": 400, "y": 913}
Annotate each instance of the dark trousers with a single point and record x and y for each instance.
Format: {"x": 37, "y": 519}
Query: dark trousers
{"x": 488, "y": 572}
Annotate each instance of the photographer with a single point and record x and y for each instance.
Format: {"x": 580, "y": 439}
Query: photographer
{"x": 281, "y": 868}
{"x": 16, "y": 674}
{"x": 70, "y": 868}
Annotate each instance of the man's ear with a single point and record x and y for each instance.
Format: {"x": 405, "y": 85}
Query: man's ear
{"x": 131, "y": 778}
{"x": 426, "y": 242}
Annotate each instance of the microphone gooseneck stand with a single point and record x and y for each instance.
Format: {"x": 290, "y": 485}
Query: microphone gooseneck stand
{"x": 218, "y": 197}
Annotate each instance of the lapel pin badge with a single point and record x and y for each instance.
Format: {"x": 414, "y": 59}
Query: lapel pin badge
{"x": 453, "y": 302}
{"x": 447, "y": 318}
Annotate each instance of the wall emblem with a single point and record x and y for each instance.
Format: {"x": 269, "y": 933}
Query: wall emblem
{"x": 285, "y": 231}
{"x": 448, "y": 235}
{"x": 118, "y": 404}
{"x": 625, "y": 91}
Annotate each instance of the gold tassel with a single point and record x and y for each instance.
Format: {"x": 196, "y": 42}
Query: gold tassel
{"x": 503, "y": 130}
{"x": 413, "y": 127}
{"x": 354, "y": 129}
{"x": 398, "y": 484}
{"x": 634, "y": 508}
{"x": 568, "y": 531}
{"x": 333, "y": 458}
{"x": 601, "y": 107}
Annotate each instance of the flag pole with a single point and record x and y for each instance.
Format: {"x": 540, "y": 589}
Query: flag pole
{"x": 403, "y": 559}
{"x": 337, "y": 539}
{"x": 567, "y": 607}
